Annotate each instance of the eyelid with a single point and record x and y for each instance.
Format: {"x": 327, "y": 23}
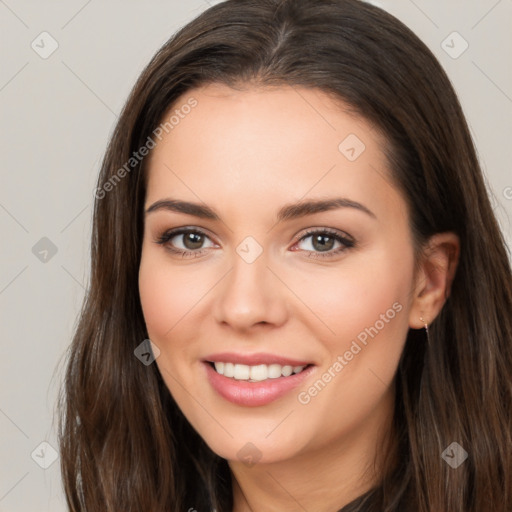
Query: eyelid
{"x": 172, "y": 232}
{"x": 331, "y": 231}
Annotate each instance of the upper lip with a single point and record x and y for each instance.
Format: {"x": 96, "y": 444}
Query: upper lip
{"x": 254, "y": 359}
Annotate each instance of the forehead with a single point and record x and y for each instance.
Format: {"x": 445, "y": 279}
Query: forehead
{"x": 273, "y": 143}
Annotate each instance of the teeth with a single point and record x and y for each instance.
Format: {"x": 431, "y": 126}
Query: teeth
{"x": 287, "y": 371}
{"x": 259, "y": 372}
{"x": 255, "y": 373}
{"x": 274, "y": 371}
{"x": 229, "y": 369}
{"x": 242, "y": 372}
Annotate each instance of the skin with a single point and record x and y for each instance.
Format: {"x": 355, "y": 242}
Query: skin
{"x": 246, "y": 153}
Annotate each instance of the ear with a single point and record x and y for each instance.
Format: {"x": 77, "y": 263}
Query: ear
{"x": 434, "y": 278}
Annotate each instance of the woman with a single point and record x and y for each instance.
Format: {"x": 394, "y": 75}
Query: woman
{"x": 292, "y": 211}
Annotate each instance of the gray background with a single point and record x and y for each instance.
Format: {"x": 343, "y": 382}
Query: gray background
{"x": 57, "y": 114}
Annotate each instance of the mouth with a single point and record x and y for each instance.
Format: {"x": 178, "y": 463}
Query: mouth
{"x": 255, "y": 373}
{"x": 255, "y": 380}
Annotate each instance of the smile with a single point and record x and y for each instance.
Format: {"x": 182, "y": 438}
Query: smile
{"x": 255, "y": 380}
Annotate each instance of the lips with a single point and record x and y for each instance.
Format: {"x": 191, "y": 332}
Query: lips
{"x": 254, "y": 379}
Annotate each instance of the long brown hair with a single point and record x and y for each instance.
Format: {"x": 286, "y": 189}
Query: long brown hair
{"x": 125, "y": 445}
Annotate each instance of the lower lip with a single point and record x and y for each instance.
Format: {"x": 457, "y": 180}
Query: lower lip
{"x": 253, "y": 394}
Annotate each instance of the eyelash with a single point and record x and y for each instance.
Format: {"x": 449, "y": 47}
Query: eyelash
{"x": 346, "y": 242}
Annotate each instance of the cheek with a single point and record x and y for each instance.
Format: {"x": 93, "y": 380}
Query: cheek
{"x": 167, "y": 295}
{"x": 157, "y": 300}
{"x": 363, "y": 294}
{"x": 369, "y": 319}
{"x": 366, "y": 306}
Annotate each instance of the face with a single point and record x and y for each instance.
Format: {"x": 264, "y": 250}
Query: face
{"x": 276, "y": 272}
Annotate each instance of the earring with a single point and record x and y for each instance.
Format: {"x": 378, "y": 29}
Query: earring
{"x": 426, "y": 330}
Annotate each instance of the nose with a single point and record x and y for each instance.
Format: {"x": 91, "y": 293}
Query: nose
{"x": 250, "y": 294}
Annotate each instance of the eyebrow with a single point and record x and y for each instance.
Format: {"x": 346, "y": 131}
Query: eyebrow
{"x": 287, "y": 212}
